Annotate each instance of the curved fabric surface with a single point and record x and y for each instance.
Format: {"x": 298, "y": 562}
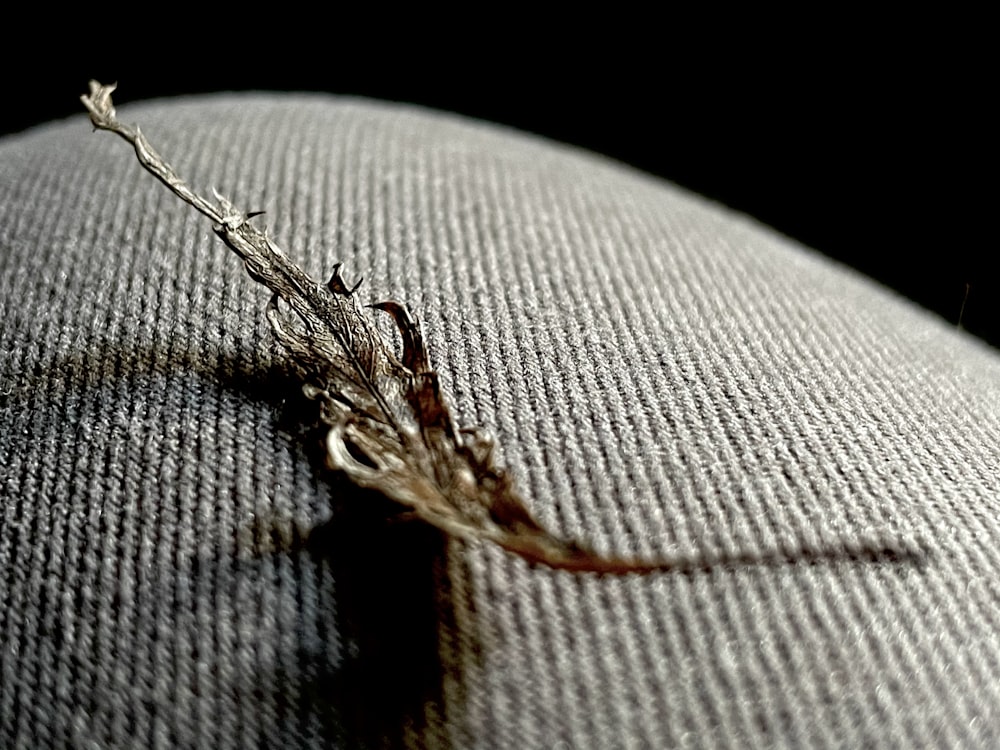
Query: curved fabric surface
{"x": 663, "y": 376}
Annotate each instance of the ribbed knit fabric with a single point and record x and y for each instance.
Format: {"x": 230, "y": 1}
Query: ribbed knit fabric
{"x": 663, "y": 377}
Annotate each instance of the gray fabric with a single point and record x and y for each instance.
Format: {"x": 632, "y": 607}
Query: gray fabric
{"x": 664, "y": 377}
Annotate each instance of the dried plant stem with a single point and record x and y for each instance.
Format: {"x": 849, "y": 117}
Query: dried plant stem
{"x": 389, "y": 427}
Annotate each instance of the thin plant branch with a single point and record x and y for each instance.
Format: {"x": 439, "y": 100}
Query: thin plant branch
{"x": 389, "y": 428}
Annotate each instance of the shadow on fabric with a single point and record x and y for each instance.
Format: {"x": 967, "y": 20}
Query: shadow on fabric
{"x": 354, "y": 659}
{"x": 390, "y": 599}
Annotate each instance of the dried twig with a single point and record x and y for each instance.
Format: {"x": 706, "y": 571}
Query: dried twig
{"x": 390, "y": 429}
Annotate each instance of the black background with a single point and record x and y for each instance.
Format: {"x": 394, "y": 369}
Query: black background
{"x": 868, "y": 137}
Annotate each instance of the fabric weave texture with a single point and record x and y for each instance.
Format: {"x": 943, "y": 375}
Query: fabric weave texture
{"x": 663, "y": 376}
